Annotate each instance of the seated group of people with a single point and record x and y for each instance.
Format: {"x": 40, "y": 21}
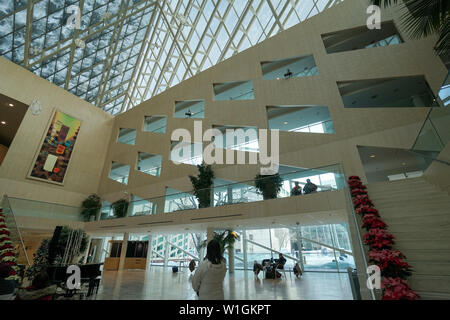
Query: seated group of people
{"x": 40, "y": 289}
{"x": 308, "y": 188}
{"x": 273, "y": 265}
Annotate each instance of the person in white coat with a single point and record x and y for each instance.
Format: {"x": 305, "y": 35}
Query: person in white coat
{"x": 208, "y": 278}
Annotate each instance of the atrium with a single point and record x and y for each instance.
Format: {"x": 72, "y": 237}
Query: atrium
{"x": 299, "y": 146}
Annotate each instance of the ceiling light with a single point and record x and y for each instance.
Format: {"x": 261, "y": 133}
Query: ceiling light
{"x": 3, "y": 122}
{"x": 10, "y": 104}
{"x": 403, "y": 163}
{"x": 285, "y": 122}
{"x": 372, "y": 156}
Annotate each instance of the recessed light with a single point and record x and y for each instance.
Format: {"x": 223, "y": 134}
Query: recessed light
{"x": 403, "y": 163}
{"x": 285, "y": 122}
{"x": 3, "y": 122}
{"x": 372, "y": 156}
{"x": 10, "y": 104}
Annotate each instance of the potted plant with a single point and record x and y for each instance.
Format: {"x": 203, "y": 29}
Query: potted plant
{"x": 268, "y": 185}
{"x": 202, "y": 185}
{"x": 120, "y": 208}
{"x": 90, "y": 207}
{"x": 226, "y": 240}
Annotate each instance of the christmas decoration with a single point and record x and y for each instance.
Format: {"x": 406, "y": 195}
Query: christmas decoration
{"x": 40, "y": 260}
{"x": 8, "y": 254}
{"x": 394, "y": 269}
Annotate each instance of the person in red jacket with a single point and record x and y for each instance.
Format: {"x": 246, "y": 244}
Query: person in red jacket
{"x": 40, "y": 289}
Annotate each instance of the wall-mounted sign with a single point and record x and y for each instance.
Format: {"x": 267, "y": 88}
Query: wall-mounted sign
{"x": 52, "y": 160}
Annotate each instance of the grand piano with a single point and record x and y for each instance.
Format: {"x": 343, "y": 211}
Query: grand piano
{"x": 90, "y": 273}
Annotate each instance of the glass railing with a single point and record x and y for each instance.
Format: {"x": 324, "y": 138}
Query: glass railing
{"x": 46, "y": 210}
{"x": 435, "y": 131}
{"x": 15, "y": 237}
{"x": 326, "y": 178}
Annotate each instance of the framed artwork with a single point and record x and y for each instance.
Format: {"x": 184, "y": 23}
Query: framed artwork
{"x": 52, "y": 160}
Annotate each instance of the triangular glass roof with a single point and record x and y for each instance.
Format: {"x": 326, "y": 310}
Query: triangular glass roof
{"x": 127, "y": 51}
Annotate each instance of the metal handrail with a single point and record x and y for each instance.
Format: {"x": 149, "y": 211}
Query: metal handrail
{"x": 5, "y": 197}
{"x": 358, "y": 233}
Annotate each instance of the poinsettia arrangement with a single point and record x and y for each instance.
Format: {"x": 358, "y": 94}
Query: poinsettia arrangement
{"x": 394, "y": 268}
{"x": 397, "y": 289}
{"x": 373, "y": 221}
{"x": 378, "y": 239}
{"x": 7, "y": 251}
{"x": 391, "y": 263}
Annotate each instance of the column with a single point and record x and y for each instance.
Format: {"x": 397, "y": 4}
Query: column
{"x": 86, "y": 252}
{"x": 149, "y": 252}
{"x": 230, "y": 194}
{"x": 300, "y": 253}
{"x": 202, "y": 252}
{"x": 231, "y": 259}
{"x": 123, "y": 252}
{"x": 166, "y": 251}
{"x": 209, "y": 234}
{"x": 244, "y": 249}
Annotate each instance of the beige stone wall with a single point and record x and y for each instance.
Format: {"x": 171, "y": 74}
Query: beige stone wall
{"x": 382, "y": 127}
{"x": 87, "y": 160}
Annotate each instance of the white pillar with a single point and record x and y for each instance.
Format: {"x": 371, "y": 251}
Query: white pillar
{"x": 231, "y": 259}
{"x": 209, "y": 234}
{"x": 300, "y": 253}
{"x": 166, "y": 251}
{"x": 244, "y": 248}
{"x": 123, "y": 252}
{"x": 149, "y": 252}
{"x": 202, "y": 249}
{"x": 86, "y": 252}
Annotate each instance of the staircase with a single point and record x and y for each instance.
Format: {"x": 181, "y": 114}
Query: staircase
{"x": 15, "y": 235}
{"x": 418, "y": 215}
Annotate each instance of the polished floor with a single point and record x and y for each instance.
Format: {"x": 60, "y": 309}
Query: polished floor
{"x": 161, "y": 284}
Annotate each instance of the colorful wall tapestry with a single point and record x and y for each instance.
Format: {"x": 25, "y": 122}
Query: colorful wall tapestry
{"x": 53, "y": 158}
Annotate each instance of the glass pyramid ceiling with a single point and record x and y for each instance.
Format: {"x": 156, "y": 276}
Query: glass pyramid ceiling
{"x": 125, "y": 52}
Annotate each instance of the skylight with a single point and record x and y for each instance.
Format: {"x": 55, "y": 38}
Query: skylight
{"x": 128, "y": 51}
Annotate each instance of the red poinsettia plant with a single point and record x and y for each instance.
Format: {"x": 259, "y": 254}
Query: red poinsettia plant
{"x": 358, "y": 191}
{"x": 363, "y": 210}
{"x": 397, "y": 289}
{"x": 391, "y": 262}
{"x": 378, "y": 239}
{"x": 362, "y": 200}
{"x": 7, "y": 252}
{"x": 372, "y": 221}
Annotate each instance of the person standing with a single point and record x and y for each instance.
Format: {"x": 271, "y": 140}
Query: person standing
{"x": 257, "y": 268}
{"x": 208, "y": 278}
{"x": 296, "y": 190}
{"x": 309, "y": 187}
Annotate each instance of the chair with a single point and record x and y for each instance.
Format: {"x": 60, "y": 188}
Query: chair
{"x": 283, "y": 271}
{"x": 265, "y": 265}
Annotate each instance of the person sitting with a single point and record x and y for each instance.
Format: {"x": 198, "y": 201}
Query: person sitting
{"x": 257, "y": 268}
{"x": 280, "y": 261}
{"x": 296, "y": 190}
{"x": 297, "y": 270}
{"x": 192, "y": 265}
{"x": 7, "y": 287}
{"x": 309, "y": 187}
{"x": 40, "y": 289}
